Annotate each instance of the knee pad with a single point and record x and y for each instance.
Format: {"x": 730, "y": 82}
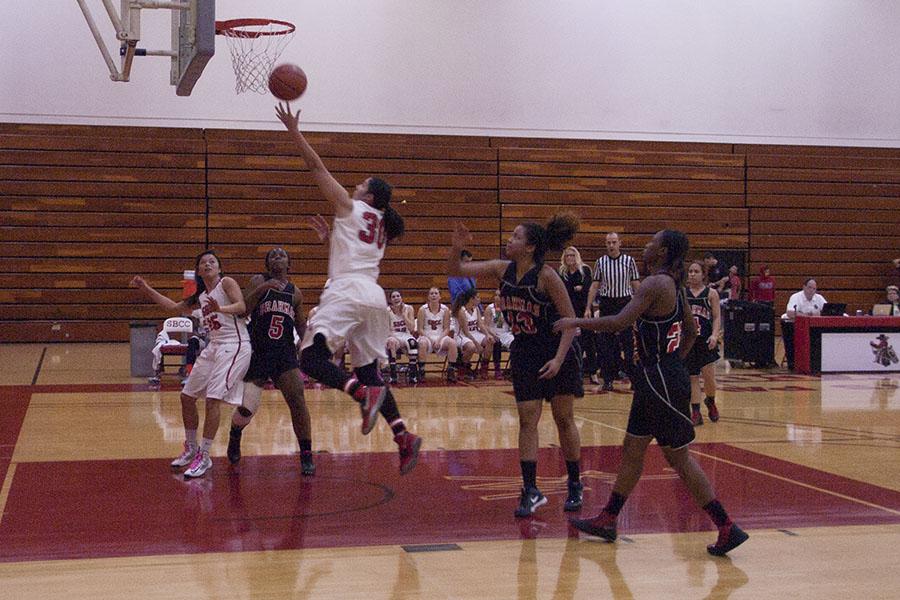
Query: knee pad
{"x": 251, "y": 399}
{"x": 249, "y": 405}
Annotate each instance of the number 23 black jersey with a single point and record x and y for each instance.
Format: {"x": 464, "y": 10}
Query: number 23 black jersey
{"x": 529, "y": 313}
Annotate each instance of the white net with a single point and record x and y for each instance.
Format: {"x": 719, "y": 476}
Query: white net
{"x": 255, "y": 45}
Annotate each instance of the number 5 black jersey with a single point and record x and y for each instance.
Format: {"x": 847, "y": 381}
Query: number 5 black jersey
{"x": 272, "y": 321}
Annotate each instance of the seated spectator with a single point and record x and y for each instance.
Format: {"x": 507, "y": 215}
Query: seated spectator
{"x": 715, "y": 272}
{"x": 403, "y": 338}
{"x": 734, "y": 283}
{"x": 762, "y": 288}
{"x": 436, "y": 334}
{"x": 892, "y": 297}
{"x": 499, "y": 328}
{"x": 805, "y": 302}
{"x": 472, "y": 337}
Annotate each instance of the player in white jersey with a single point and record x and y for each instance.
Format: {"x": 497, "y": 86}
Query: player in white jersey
{"x": 351, "y": 308}
{"x": 402, "y": 339}
{"x": 219, "y": 371}
{"x": 499, "y": 328}
{"x": 472, "y": 337}
{"x": 435, "y": 334}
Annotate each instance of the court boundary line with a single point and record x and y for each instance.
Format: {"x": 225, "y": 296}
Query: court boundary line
{"x": 37, "y": 369}
{"x": 591, "y": 421}
{"x": 7, "y": 485}
{"x": 769, "y": 474}
{"x": 796, "y": 482}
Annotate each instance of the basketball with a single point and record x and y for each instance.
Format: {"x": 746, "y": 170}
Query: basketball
{"x": 287, "y": 82}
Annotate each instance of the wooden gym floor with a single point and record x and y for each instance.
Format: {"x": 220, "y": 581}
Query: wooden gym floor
{"x": 90, "y": 509}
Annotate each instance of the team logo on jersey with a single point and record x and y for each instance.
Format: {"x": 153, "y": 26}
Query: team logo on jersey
{"x": 515, "y": 303}
{"x": 279, "y": 306}
{"x": 700, "y": 310}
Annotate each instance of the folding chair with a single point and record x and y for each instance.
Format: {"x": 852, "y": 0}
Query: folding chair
{"x": 182, "y": 327}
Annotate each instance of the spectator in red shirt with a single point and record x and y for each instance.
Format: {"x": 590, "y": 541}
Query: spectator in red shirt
{"x": 762, "y": 288}
{"x": 734, "y": 283}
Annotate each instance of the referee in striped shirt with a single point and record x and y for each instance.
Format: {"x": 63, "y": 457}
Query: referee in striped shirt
{"x": 615, "y": 279}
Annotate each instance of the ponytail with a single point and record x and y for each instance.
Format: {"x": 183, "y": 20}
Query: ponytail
{"x": 393, "y": 224}
{"x": 381, "y": 192}
{"x": 554, "y": 235}
{"x": 677, "y": 246}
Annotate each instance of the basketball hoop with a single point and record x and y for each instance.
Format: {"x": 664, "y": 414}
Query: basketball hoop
{"x": 255, "y": 45}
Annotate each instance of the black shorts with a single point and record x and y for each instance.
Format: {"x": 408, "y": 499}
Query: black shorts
{"x": 700, "y": 356}
{"x": 270, "y": 364}
{"x": 525, "y": 364}
{"x": 661, "y": 406}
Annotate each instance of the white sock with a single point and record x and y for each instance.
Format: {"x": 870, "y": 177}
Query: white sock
{"x": 190, "y": 436}
{"x": 205, "y": 445}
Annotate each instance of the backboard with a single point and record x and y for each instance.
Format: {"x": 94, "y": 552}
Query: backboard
{"x": 194, "y": 41}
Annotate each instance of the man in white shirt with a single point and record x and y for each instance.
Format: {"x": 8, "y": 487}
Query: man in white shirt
{"x": 805, "y": 302}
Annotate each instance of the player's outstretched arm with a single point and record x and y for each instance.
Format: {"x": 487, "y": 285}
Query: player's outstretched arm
{"x": 170, "y": 305}
{"x": 474, "y": 268}
{"x": 328, "y": 185}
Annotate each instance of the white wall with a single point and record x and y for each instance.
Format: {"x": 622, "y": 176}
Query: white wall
{"x": 782, "y": 71}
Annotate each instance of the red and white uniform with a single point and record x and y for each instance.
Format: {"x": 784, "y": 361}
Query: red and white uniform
{"x": 399, "y": 328}
{"x": 499, "y": 327}
{"x": 472, "y": 327}
{"x": 219, "y": 370}
{"x": 351, "y": 308}
{"x": 434, "y": 330}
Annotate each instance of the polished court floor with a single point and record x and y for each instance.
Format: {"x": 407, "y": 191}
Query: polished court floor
{"x": 809, "y": 466}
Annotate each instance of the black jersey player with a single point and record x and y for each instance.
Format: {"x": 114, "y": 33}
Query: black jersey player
{"x": 276, "y": 311}
{"x": 543, "y": 365}
{"x": 665, "y": 331}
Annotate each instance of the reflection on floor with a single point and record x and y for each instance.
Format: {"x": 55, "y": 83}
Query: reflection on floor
{"x": 806, "y": 464}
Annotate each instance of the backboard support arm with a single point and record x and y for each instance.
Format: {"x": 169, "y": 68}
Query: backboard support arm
{"x": 127, "y": 24}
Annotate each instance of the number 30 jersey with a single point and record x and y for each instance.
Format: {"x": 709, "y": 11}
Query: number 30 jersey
{"x": 357, "y": 243}
{"x": 659, "y": 338}
{"x": 272, "y": 321}
{"x": 529, "y": 313}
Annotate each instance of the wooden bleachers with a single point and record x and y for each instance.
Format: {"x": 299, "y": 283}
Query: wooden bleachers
{"x": 84, "y": 208}
{"x": 635, "y": 192}
{"x": 824, "y": 212}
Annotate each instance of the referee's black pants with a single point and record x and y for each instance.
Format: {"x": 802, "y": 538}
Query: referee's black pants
{"x": 611, "y": 346}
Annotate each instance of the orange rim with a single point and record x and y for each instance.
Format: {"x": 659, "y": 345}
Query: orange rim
{"x": 233, "y": 27}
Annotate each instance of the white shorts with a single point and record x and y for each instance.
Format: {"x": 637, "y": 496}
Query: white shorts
{"x": 504, "y": 336}
{"x": 219, "y": 372}
{"x": 432, "y": 345}
{"x": 351, "y": 313}
{"x": 404, "y": 339}
{"x": 461, "y": 340}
